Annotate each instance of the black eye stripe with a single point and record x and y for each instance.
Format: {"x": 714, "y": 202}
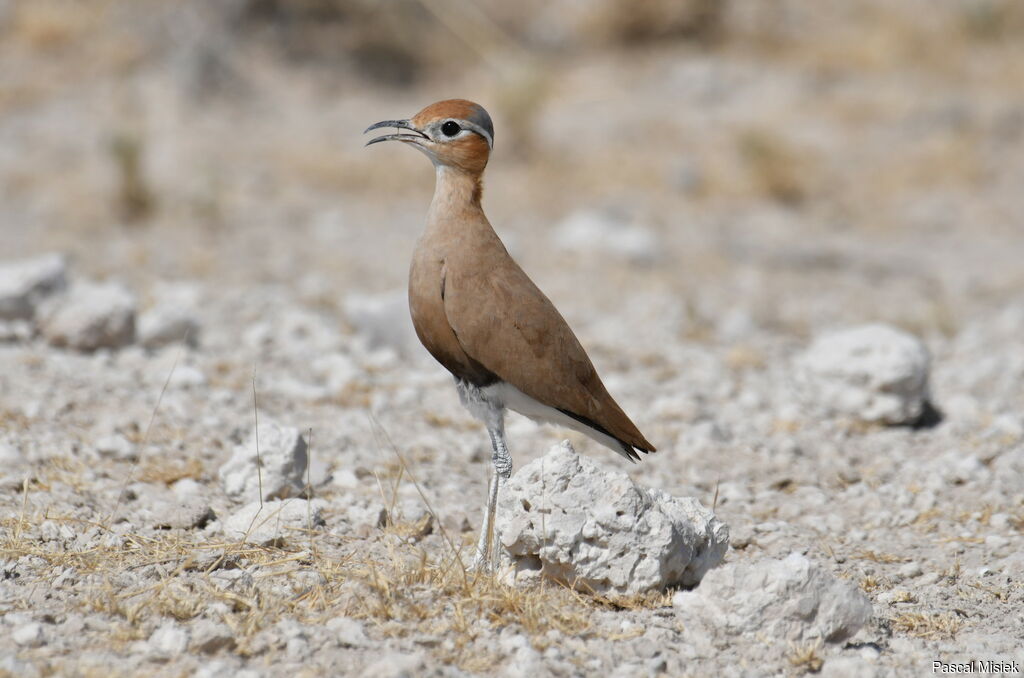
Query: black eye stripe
{"x": 450, "y": 128}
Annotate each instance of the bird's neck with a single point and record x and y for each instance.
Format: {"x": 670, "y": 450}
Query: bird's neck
{"x": 457, "y": 193}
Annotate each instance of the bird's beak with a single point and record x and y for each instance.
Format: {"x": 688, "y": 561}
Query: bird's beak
{"x": 416, "y": 137}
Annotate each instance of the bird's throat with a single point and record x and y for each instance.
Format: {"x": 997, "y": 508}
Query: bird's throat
{"x": 456, "y": 191}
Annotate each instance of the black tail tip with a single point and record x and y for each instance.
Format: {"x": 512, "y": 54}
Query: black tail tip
{"x": 630, "y": 452}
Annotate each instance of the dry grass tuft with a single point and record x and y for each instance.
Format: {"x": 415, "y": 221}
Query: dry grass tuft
{"x": 166, "y": 470}
{"x": 932, "y": 626}
{"x": 397, "y": 587}
{"x": 867, "y": 554}
{"x": 902, "y": 596}
{"x": 804, "y": 656}
{"x": 870, "y": 583}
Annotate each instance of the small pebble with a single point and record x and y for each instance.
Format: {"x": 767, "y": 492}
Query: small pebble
{"x": 911, "y": 570}
{"x": 29, "y": 635}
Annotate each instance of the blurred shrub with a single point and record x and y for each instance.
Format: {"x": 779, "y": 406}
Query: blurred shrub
{"x": 389, "y": 42}
{"x": 135, "y": 200}
{"x": 397, "y": 41}
{"x": 776, "y": 168}
{"x": 992, "y": 20}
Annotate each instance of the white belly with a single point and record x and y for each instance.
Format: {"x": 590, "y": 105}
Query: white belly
{"x": 488, "y": 404}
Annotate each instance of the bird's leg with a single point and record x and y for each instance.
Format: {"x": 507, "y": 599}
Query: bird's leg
{"x": 502, "y": 461}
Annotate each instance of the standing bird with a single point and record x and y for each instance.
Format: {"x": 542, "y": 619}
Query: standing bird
{"x": 482, "y": 317}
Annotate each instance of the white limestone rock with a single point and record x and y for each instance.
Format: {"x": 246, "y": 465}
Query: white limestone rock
{"x": 16, "y": 330}
{"x": 397, "y": 664}
{"x": 347, "y": 632}
{"x": 116, "y": 446}
{"x": 790, "y": 599}
{"x": 211, "y": 637}
{"x": 29, "y": 635}
{"x": 172, "y": 318}
{"x": 24, "y": 283}
{"x": 168, "y": 641}
{"x": 274, "y": 522}
{"x": 607, "y": 232}
{"x": 90, "y": 316}
{"x": 283, "y": 458}
{"x": 563, "y": 517}
{"x": 383, "y": 321}
{"x": 874, "y": 372}
{"x": 182, "y": 514}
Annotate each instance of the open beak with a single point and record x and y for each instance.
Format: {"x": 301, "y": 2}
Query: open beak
{"x": 416, "y": 137}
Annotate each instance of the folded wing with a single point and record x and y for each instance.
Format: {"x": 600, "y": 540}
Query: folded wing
{"x": 505, "y": 323}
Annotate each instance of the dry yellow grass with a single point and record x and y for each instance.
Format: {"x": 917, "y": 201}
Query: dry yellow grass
{"x": 925, "y": 625}
{"x": 804, "y": 657}
{"x": 867, "y": 554}
{"x": 870, "y": 583}
{"x": 902, "y": 596}
{"x": 394, "y": 585}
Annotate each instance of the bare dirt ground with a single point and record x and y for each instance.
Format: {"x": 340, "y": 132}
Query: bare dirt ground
{"x": 845, "y": 165}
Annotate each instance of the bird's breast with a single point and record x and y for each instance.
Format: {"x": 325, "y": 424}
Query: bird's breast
{"x": 427, "y": 279}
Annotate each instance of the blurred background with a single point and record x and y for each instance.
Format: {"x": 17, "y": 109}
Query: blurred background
{"x": 700, "y": 186}
{"x": 783, "y": 164}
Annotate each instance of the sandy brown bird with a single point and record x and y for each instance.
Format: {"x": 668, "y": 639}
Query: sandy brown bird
{"x": 482, "y": 317}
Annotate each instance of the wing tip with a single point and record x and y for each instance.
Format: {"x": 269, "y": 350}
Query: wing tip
{"x": 630, "y": 451}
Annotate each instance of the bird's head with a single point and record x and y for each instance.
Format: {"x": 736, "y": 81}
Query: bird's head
{"x": 452, "y": 133}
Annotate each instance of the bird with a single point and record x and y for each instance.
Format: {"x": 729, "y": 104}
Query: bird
{"x": 482, "y": 317}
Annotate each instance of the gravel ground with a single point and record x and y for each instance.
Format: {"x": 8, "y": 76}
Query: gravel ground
{"x": 699, "y": 235}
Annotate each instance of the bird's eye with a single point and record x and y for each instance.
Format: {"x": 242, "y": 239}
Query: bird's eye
{"x": 450, "y": 128}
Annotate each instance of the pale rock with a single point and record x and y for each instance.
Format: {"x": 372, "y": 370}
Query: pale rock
{"x": 337, "y": 371}
{"x": 182, "y": 514}
{"x": 893, "y": 597}
{"x": 791, "y": 599}
{"x": 564, "y": 518}
{"x": 911, "y": 570}
{"x": 999, "y": 520}
{"x": 53, "y": 531}
{"x": 90, "y": 316}
{"x": 115, "y": 446}
{"x": 10, "y": 455}
{"x": 29, "y": 635}
{"x": 24, "y": 283}
{"x": 297, "y": 329}
{"x": 168, "y": 641}
{"x": 186, "y": 377}
{"x": 347, "y": 632}
{"x": 397, "y": 665}
{"x": 186, "y": 487}
{"x": 848, "y": 667}
{"x": 15, "y": 330}
{"x": 365, "y": 516}
{"x": 217, "y": 669}
{"x": 383, "y": 321}
{"x": 607, "y": 232}
{"x": 275, "y": 521}
{"x": 873, "y": 372}
{"x": 995, "y": 542}
{"x": 962, "y": 407}
{"x": 282, "y": 464}
{"x": 345, "y": 479}
{"x": 12, "y": 666}
{"x": 172, "y": 318}
{"x": 735, "y": 324}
